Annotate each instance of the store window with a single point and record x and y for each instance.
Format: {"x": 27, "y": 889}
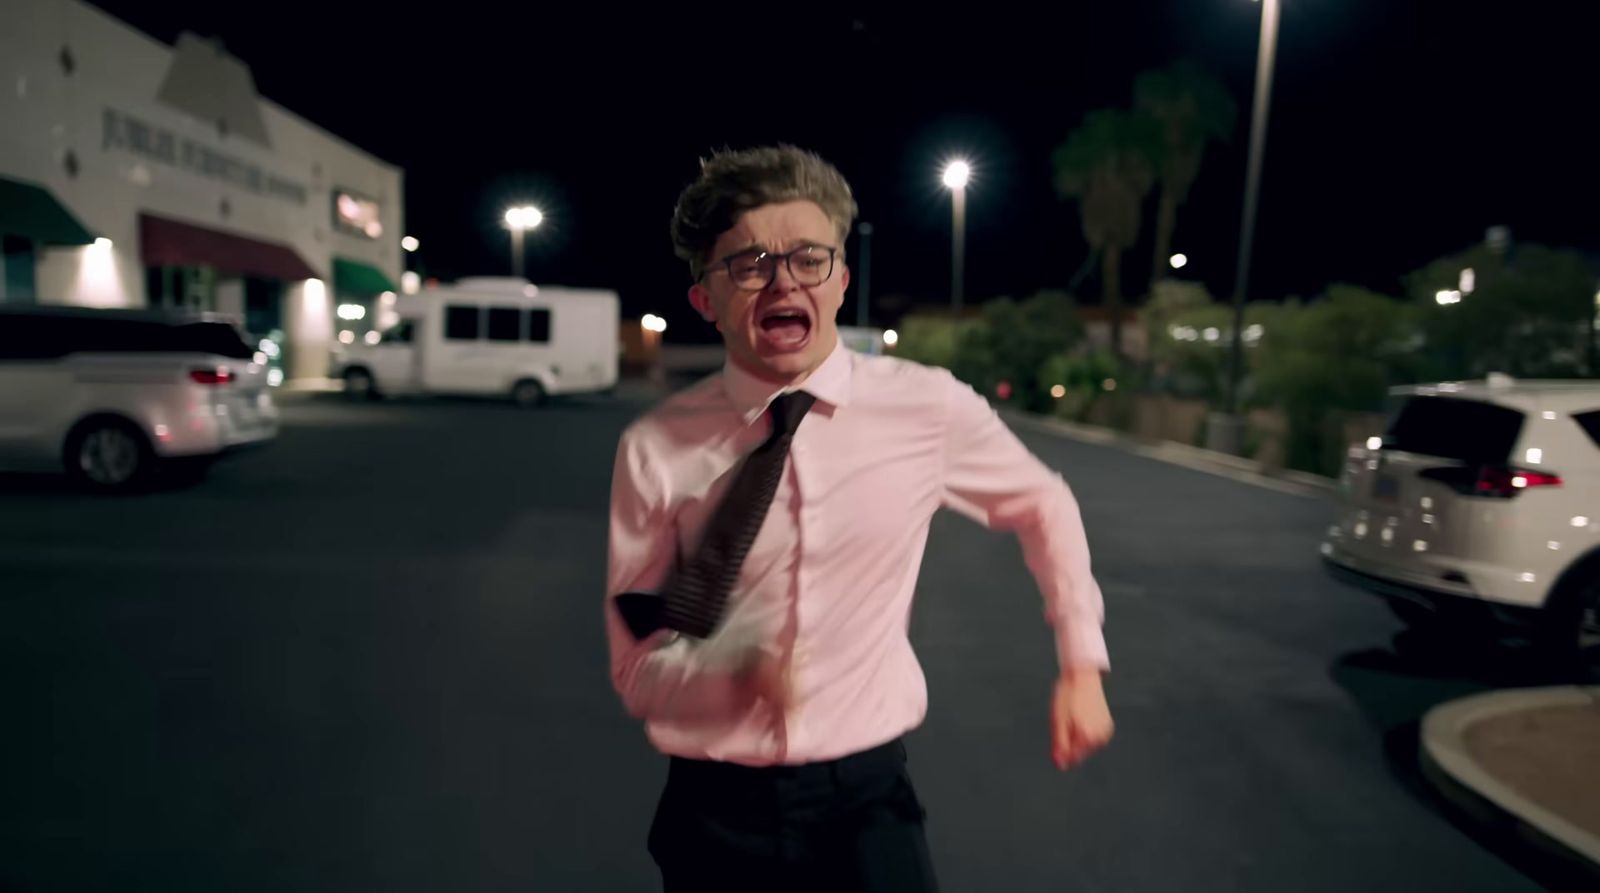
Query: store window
{"x": 17, "y": 271}
{"x": 356, "y": 215}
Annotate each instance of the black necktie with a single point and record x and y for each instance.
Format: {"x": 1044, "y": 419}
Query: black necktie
{"x": 693, "y": 603}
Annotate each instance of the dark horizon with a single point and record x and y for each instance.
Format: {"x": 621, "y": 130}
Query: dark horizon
{"x": 1398, "y": 132}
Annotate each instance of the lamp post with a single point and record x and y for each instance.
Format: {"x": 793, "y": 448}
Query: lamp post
{"x": 520, "y": 219}
{"x": 956, "y": 175}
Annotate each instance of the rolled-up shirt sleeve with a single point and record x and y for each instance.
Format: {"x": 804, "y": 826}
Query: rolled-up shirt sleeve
{"x": 663, "y": 676}
{"x": 991, "y": 477}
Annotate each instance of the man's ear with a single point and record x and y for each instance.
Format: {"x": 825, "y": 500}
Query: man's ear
{"x": 845, "y": 277}
{"x": 700, "y": 299}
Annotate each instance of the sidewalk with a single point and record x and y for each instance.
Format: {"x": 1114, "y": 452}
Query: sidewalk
{"x": 1526, "y": 761}
{"x": 1236, "y": 468}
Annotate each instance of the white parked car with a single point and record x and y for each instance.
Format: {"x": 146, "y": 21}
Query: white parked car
{"x": 1482, "y": 496}
{"x": 490, "y": 337}
{"x": 116, "y": 396}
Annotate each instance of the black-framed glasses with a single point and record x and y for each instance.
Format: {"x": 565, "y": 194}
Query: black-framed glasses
{"x": 809, "y": 265}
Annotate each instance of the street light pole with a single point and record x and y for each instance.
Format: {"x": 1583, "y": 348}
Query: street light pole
{"x": 958, "y": 245}
{"x": 956, "y": 175}
{"x": 1232, "y": 439}
{"x": 524, "y": 217}
{"x": 864, "y": 287}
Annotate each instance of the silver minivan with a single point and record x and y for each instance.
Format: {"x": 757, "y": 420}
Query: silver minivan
{"x": 117, "y": 397}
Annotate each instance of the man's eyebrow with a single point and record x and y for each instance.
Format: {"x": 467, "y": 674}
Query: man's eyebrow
{"x": 745, "y": 250}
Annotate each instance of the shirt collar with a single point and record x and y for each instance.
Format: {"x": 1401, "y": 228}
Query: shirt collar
{"x": 829, "y": 383}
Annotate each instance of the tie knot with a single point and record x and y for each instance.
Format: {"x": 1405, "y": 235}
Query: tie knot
{"x": 788, "y": 410}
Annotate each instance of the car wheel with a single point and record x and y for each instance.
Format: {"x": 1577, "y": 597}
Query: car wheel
{"x": 527, "y": 393}
{"x": 359, "y": 385}
{"x": 110, "y": 455}
{"x": 1571, "y": 633}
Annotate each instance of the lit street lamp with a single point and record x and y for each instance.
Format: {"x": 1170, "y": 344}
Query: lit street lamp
{"x": 956, "y": 175}
{"x": 1179, "y": 261}
{"x": 1226, "y": 433}
{"x": 520, "y": 219}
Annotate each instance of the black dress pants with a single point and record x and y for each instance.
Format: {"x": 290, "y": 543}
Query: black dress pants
{"x": 851, "y": 825}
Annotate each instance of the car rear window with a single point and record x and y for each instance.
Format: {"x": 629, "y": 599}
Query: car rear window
{"x": 1467, "y": 431}
{"x": 48, "y": 337}
{"x": 209, "y": 337}
{"x": 1590, "y": 423}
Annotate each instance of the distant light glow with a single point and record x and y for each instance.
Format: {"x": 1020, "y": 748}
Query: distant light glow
{"x": 371, "y": 337}
{"x": 1109, "y": 384}
{"x": 1520, "y": 482}
{"x": 1419, "y": 546}
{"x": 102, "y": 243}
{"x": 410, "y": 243}
{"x": 1469, "y": 281}
{"x": 1527, "y": 577}
{"x": 410, "y": 282}
{"x": 1580, "y": 521}
{"x": 957, "y": 174}
{"x": 269, "y": 347}
{"x": 347, "y": 337}
{"x": 352, "y": 312}
{"x": 1549, "y": 416}
{"x": 1447, "y": 296}
{"x": 1213, "y": 334}
{"x": 1253, "y": 332}
{"x": 1178, "y": 261}
{"x": 652, "y": 323}
{"x": 1058, "y": 391}
{"x": 260, "y": 359}
{"x": 1554, "y": 546}
{"x": 1374, "y": 443}
{"x": 1535, "y": 455}
{"x": 274, "y": 377}
{"x": 891, "y": 337}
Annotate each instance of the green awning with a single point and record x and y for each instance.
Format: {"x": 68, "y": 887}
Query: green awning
{"x": 33, "y": 213}
{"x": 352, "y": 277}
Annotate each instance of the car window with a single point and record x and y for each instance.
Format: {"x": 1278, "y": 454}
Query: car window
{"x": 1590, "y": 423}
{"x": 207, "y": 337}
{"x": 461, "y": 323}
{"x": 539, "y": 326}
{"x": 1468, "y": 431}
{"x": 400, "y": 333}
{"x": 505, "y": 324}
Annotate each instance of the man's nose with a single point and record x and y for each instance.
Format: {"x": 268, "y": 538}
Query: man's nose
{"x": 783, "y": 280}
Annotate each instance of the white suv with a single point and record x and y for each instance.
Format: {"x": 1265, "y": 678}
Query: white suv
{"x": 115, "y": 396}
{"x": 1482, "y": 495}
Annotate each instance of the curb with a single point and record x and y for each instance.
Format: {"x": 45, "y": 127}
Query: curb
{"x": 1235, "y": 468}
{"x": 1451, "y": 769}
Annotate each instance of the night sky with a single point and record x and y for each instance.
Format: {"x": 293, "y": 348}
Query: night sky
{"x": 1399, "y": 130}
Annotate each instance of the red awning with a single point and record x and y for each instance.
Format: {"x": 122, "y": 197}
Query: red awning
{"x": 169, "y": 243}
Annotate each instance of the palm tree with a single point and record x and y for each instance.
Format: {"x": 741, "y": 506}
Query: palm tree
{"x": 1108, "y": 165}
{"x": 1192, "y": 108}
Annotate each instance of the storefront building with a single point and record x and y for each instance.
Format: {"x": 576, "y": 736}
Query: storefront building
{"x": 136, "y": 174}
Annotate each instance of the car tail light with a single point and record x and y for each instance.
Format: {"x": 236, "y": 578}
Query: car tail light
{"x": 216, "y": 375}
{"x": 1491, "y": 481}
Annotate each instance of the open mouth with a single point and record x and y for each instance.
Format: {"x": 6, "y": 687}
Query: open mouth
{"x": 785, "y": 328}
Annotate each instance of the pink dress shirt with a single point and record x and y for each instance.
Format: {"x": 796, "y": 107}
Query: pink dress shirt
{"x": 828, "y": 582}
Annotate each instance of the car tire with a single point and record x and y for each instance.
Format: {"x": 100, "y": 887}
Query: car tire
{"x": 109, "y": 455}
{"x": 1570, "y": 628}
{"x": 528, "y": 393}
{"x": 360, "y": 385}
